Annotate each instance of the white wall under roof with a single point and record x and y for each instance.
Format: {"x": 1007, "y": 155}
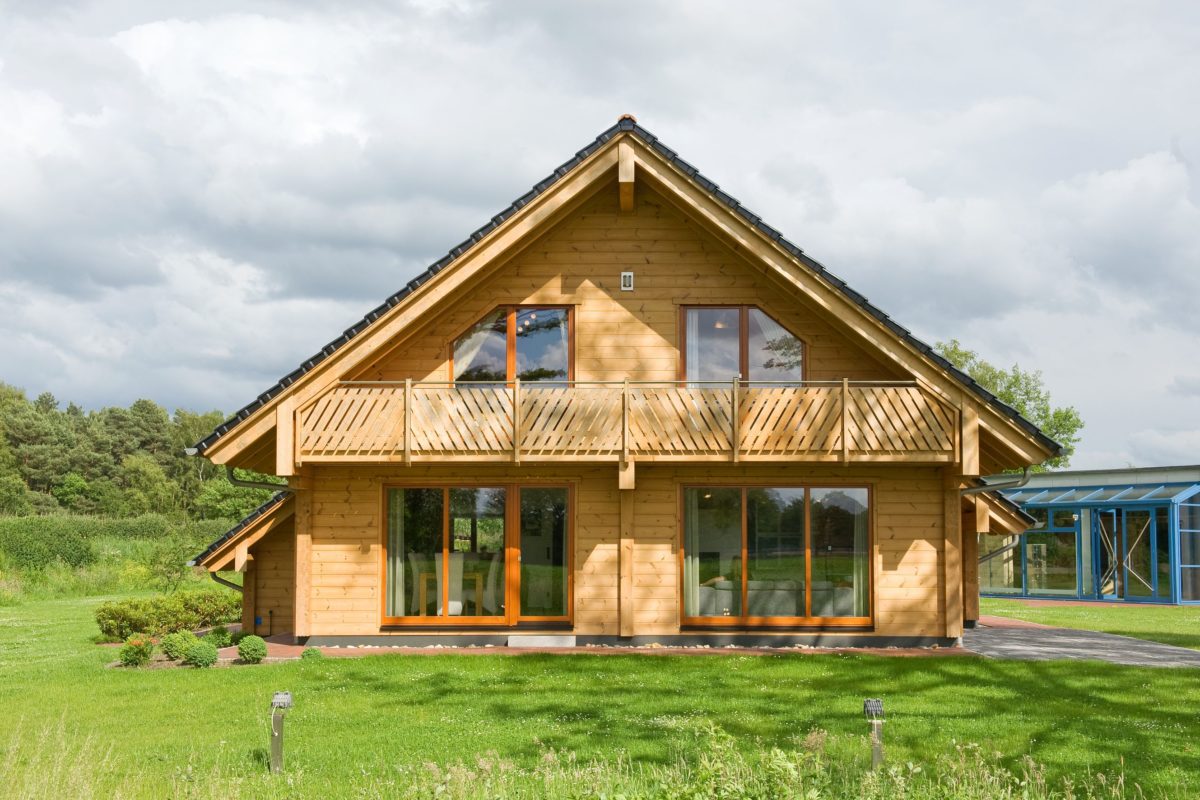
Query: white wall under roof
{"x": 1113, "y": 477}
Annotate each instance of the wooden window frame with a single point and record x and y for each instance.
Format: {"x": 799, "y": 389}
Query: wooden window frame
{"x": 512, "y": 561}
{"x": 744, "y": 310}
{"x": 747, "y": 621}
{"x": 510, "y": 337}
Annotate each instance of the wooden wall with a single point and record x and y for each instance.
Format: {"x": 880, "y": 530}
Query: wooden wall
{"x": 627, "y": 334}
{"x": 907, "y": 558}
{"x": 272, "y": 575}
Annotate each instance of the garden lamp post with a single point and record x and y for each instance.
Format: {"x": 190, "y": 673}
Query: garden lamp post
{"x": 873, "y": 711}
{"x": 280, "y": 703}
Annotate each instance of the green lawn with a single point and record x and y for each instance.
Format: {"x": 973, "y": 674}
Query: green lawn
{"x": 1178, "y": 625}
{"x": 361, "y": 727}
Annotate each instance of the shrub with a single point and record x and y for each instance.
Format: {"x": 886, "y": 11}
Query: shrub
{"x": 311, "y": 653}
{"x": 201, "y": 654}
{"x": 176, "y": 645}
{"x": 252, "y": 649}
{"x": 137, "y": 650}
{"x": 27, "y": 546}
{"x": 165, "y": 614}
{"x": 219, "y": 637}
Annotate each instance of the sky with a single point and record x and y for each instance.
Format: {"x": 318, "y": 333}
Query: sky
{"x": 194, "y": 197}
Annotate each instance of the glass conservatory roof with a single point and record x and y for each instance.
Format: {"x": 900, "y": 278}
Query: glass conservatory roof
{"x": 1045, "y": 496}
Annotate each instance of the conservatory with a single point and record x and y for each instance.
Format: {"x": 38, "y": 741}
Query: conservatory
{"x": 1129, "y": 535}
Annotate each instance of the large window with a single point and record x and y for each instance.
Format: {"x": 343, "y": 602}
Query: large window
{"x": 744, "y": 342}
{"x": 533, "y": 344}
{"x": 452, "y": 556}
{"x": 776, "y": 555}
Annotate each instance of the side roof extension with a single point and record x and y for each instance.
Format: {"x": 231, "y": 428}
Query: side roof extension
{"x": 626, "y": 125}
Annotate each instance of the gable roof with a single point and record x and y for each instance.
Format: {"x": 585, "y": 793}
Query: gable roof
{"x": 247, "y": 524}
{"x": 629, "y": 126}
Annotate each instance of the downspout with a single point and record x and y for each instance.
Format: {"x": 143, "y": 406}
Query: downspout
{"x": 228, "y": 583}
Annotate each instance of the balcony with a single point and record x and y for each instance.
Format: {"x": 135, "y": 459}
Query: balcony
{"x": 838, "y": 422}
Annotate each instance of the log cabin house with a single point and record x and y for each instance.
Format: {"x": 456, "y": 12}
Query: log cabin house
{"x": 626, "y": 410}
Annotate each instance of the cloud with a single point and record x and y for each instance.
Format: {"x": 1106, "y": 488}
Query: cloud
{"x": 196, "y": 196}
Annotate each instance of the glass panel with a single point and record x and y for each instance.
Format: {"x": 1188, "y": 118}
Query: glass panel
{"x": 1189, "y": 517}
{"x": 476, "y": 569}
{"x": 774, "y": 354}
{"x": 1108, "y": 553}
{"x": 1085, "y": 556}
{"x": 840, "y": 556}
{"x": 481, "y": 354}
{"x": 544, "y": 555}
{"x": 1138, "y": 563}
{"x": 1189, "y": 548}
{"x": 542, "y": 346}
{"x": 1189, "y": 586}
{"x": 1063, "y": 518}
{"x": 1162, "y": 547}
{"x": 1039, "y": 514}
{"x": 712, "y": 547}
{"x": 999, "y": 564}
{"x": 775, "y": 553}
{"x": 1050, "y": 563}
{"x": 713, "y": 344}
{"x": 414, "y": 552}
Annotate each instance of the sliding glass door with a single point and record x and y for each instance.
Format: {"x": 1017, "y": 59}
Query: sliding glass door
{"x": 477, "y": 555}
{"x": 776, "y": 555}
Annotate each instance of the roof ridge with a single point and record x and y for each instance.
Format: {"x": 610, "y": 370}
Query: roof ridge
{"x": 626, "y": 124}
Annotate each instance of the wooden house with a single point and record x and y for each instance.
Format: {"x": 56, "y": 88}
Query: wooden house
{"x": 626, "y": 410}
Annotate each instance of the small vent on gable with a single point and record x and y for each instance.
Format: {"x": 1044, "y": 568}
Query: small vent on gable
{"x": 626, "y": 281}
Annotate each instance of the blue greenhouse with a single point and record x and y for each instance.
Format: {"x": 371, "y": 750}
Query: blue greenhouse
{"x": 1121, "y": 535}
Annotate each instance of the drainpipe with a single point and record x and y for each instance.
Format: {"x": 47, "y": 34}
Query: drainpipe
{"x": 1016, "y": 483}
{"x": 224, "y": 582}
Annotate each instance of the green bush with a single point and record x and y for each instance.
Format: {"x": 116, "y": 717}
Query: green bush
{"x": 28, "y": 546}
{"x": 219, "y": 637}
{"x": 163, "y": 614}
{"x": 137, "y": 650}
{"x": 311, "y": 653}
{"x": 201, "y": 654}
{"x": 176, "y": 645}
{"x": 252, "y": 649}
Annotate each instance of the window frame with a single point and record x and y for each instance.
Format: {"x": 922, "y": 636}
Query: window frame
{"x": 747, "y": 621}
{"x": 743, "y": 338}
{"x": 511, "y": 311}
{"x": 512, "y": 562}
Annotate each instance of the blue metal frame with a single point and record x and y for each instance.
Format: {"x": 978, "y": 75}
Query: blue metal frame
{"x": 1128, "y": 497}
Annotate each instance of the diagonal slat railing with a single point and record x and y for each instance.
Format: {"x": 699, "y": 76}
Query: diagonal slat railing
{"x": 835, "y": 421}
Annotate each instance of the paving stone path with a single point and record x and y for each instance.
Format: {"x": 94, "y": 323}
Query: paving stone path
{"x": 1010, "y": 639}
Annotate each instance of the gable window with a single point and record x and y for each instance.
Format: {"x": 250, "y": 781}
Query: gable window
{"x": 533, "y": 343}
{"x": 725, "y": 342}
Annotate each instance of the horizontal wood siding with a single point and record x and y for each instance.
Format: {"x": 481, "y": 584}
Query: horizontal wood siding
{"x": 274, "y": 576}
{"x": 627, "y": 334}
{"x": 907, "y": 557}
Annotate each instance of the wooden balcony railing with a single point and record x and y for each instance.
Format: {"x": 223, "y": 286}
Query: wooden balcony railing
{"x": 840, "y": 421}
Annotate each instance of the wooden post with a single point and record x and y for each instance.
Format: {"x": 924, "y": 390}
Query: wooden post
{"x": 735, "y": 422}
{"x": 285, "y": 438}
{"x": 625, "y": 578}
{"x": 516, "y": 401}
{"x": 845, "y": 420}
{"x": 302, "y": 617}
{"x": 952, "y": 554}
{"x": 970, "y": 562}
{"x": 970, "y": 441}
{"x": 407, "y": 421}
{"x": 249, "y": 603}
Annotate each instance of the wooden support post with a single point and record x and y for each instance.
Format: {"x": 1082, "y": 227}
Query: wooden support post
{"x": 241, "y": 556}
{"x": 249, "y": 601}
{"x": 952, "y": 554}
{"x": 625, "y": 579}
{"x": 516, "y": 420}
{"x": 285, "y": 438}
{"x": 408, "y": 421}
{"x": 845, "y": 420}
{"x": 970, "y": 441}
{"x": 970, "y": 562}
{"x": 625, "y": 172}
{"x": 302, "y": 609}
{"x": 735, "y": 421}
{"x": 625, "y": 476}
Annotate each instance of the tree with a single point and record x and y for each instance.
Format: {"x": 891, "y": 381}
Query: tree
{"x": 14, "y": 500}
{"x": 1024, "y": 391}
{"x": 220, "y": 499}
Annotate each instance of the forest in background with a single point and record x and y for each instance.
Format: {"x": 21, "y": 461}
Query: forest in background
{"x": 112, "y": 462}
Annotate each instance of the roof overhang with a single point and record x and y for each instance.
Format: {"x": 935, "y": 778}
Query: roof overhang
{"x": 231, "y": 551}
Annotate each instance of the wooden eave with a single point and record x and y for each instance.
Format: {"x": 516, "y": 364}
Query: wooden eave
{"x": 1003, "y": 518}
{"x": 1007, "y": 443}
{"x": 228, "y": 553}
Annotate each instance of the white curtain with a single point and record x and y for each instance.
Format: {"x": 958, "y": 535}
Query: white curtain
{"x": 691, "y": 552}
{"x": 693, "y": 343}
{"x": 862, "y": 561}
{"x": 395, "y": 551}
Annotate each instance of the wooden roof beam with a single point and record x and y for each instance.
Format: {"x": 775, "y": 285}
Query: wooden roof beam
{"x": 625, "y": 172}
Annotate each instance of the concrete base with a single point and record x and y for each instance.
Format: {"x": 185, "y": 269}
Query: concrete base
{"x": 541, "y": 641}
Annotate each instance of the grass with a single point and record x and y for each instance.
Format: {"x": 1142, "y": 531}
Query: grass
{"x": 1177, "y": 625}
{"x": 379, "y": 725}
